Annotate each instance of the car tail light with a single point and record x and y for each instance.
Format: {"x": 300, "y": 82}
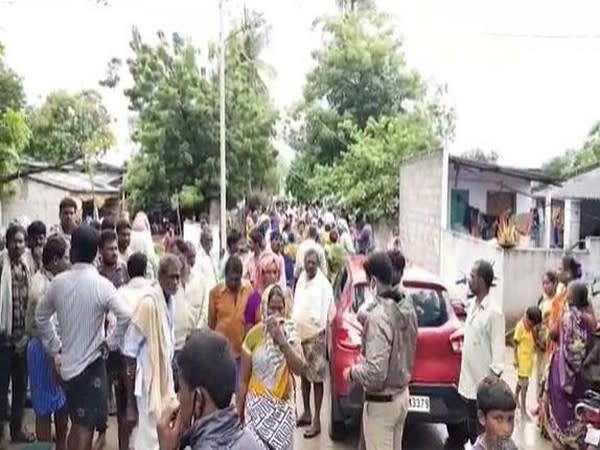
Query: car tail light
{"x": 349, "y": 338}
{"x": 592, "y": 417}
{"x": 456, "y": 342}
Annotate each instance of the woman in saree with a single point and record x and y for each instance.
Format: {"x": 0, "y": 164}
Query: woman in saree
{"x": 271, "y": 355}
{"x": 568, "y": 271}
{"x": 268, "y": 273}
{"x": 565, "y": 384}
{"x": 540, "y": 332}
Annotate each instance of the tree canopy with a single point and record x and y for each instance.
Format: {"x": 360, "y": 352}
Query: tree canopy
{"x": 362, "y": 113}
{"x": 68, "y": 126}
{"x": 14, "y": 131}
{"x": 65, "y": 128}
{"x": 177, "y": 119}
{"x": 573, "y": 161}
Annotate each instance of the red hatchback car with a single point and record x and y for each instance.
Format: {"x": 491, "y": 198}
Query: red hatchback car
{"x": 433, "y": 389}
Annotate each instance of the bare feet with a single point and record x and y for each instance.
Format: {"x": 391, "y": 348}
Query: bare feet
{"x": 100, "y": 443}
{"x": 303, "y": 420}
{"x": 22, "y": 436}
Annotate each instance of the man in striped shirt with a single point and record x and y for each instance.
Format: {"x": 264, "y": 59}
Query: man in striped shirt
{"x": 81, "y": 298}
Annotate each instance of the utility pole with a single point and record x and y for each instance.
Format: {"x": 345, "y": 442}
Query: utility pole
{"x": 223, "y": 215}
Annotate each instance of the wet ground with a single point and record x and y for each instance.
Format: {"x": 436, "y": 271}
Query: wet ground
{"x": 416, "y": 436}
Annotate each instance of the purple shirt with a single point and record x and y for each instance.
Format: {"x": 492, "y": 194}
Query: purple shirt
{"x": 251, "y": 308}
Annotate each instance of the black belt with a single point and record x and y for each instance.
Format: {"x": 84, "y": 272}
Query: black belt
{"x": 379, "y": 398}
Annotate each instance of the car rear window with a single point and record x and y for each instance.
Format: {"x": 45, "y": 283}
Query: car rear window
{"x": 430, "y": 304}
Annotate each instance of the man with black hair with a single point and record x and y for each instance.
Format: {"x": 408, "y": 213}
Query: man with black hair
{"x": 81, "y": 298}
{"x": 124, "y": 238}
{"x": 47, "y": 397}
{"x": 385, "y": 367}
{"x": 398, "y": 264}
{"x": 15, "y": 286}
{"x": 234, "y": 239}
{"x": 67, "y": 214}
{"x": 149, "y": 347}
{"x": 277, "y": 249}
{"x": 484, "y": 341}
{"x": 258, "y": 245}
{"x": 364, "y": 239}
{"x": 205, "y": 419}
{"x": 114, "y": 269}
{"x": 36, "y": 238}
{"x": 131, "y": 294}
{"x": 111, "y": 266}
{"x": 227, "y": 307}
{"x": 108, "y": 224}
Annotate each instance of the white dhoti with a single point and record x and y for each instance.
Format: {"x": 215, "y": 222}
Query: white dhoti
{"x": 146, "y": 436}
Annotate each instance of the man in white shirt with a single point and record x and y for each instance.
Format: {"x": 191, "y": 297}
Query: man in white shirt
{"x": 484, "y": 344}
{"x": 311, "y": 243}
{"x": 204, "y": 265}
{"x": 81, "y": 298}
{"x": 149, "y": 347}
{"x": 312, "y": 302}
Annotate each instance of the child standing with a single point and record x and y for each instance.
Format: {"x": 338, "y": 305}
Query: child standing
{"x": 496, "y": 413}
{"x": 524, "y": 343}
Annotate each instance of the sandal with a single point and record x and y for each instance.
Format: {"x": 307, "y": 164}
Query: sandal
{"x": 312, "y": 433}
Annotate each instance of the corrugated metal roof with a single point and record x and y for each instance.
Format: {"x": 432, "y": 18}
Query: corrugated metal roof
{"x": 79, "y": 182}
{"x": 585, "y": 185}
{"x": 527, "y": 174}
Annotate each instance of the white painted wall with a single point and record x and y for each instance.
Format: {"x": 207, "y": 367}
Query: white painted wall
{"x": 458, "y": 254}
{"x": 33, "y": 200}
{"x": 479, "y": 183}
{"x": 420, "y": 203}
{"x": 519, "y": 270}
{"x": 572, "y": 218}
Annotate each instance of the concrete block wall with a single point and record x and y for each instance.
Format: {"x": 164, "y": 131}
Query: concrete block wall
{"x": 34, "y": 201}
{"x": 420, "y": 189}
{"x": 519, "y": 271}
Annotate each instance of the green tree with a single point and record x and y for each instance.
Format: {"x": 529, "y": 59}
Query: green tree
{"x": 359, "y": 74}
{"x": 177, "y": 121}
{"x": 363, "y": 112}
{"x": 14, "y": 132}
{"x": 255, "y": 33}
{"x": 70, "y": 126}
{"x": 366, "y": 176}
{"x": 574, "y": 161}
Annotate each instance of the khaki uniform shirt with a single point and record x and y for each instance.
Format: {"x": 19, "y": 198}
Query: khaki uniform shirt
{"x": 389, "y": 346}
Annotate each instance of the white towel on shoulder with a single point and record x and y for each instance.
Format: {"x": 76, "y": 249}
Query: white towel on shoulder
{"x": 6, "y": 307}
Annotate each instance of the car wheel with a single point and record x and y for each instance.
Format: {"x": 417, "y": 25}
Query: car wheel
{"x": 458, "y": 434}
{"x": 337, "y": 428}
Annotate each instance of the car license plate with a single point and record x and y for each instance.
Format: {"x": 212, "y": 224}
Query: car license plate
{"x": 418, "y": 403}
{"x": 592, "y": 436}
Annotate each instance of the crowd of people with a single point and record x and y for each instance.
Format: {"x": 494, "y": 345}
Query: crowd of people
{"x": 563, "y": 338}
{"x": 96, "y": 319}
{"x": 189, "y": 349}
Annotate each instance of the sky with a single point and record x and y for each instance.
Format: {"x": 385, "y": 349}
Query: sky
{"x": 521, "y": 75}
